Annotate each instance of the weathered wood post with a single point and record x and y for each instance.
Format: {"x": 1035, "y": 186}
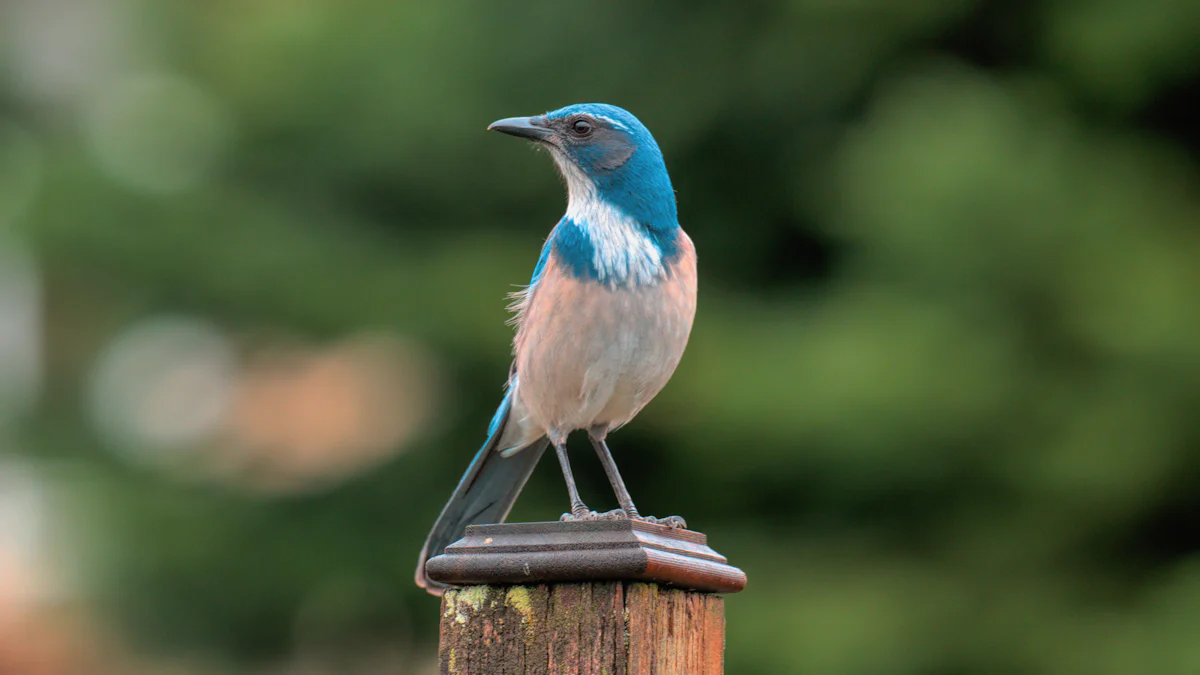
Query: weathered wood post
{"x": 583, "y": 598}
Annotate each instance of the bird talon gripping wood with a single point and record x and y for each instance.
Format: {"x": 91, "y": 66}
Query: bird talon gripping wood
{"x": 601, "y": 326}
{"x": 615, "y": 514}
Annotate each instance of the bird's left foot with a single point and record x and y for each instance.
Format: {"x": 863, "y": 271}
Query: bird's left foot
{"x": 673, "y": 522}
{"x": 615, "y": 514}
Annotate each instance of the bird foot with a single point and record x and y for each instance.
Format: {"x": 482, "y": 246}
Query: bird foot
{"x": 673, "y": 522}
{"x": 615, "y": 514}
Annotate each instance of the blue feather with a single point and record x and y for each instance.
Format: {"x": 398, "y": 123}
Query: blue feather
{"x": 541, "y": 263}
{"x": 573, "y": 249}
{"x": 485, "y": 494}
{"x": 501, "y": 413}
{"x": 640, "y": 186}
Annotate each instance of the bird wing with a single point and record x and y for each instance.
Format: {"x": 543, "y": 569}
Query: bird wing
{"x": 489, "y": 488}
{"x": 486, "y": 493}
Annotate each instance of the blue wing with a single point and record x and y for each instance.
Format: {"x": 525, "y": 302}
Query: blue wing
{"x": 485, "y": 494}
{"x": 541, "y": 263}
{"x": 490, "y": 486}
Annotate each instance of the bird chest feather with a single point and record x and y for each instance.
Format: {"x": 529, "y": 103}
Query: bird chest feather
{"x": 592, "y": 353}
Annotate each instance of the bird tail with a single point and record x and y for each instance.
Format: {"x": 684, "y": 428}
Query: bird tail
{"x": 485, "y": 494}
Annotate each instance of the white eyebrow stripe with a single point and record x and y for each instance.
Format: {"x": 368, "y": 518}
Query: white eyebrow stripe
{"x": 612, "y": 122}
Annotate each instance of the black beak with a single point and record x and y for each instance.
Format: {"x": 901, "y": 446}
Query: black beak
{"x": 521, "y": 127}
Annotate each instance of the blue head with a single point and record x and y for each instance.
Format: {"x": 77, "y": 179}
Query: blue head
{"x": 604, "y": 153}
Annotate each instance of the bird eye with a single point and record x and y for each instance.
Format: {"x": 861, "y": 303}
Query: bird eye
{"x": 582, "y": 127}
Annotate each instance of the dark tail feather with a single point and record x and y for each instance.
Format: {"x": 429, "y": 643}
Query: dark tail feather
{"x": 485, "y": 494}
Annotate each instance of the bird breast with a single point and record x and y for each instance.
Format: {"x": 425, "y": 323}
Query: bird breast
{"x": 591, "y": 354}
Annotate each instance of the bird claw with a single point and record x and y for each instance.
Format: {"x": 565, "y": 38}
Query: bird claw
{"x": 615, "y": 514}
{"x": 673, "y": 522}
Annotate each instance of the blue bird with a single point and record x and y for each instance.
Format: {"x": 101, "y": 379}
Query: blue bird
{"x": 601, "y": 326}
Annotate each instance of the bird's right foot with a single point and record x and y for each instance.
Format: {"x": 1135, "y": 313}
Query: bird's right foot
{"x": 673, "y": 522}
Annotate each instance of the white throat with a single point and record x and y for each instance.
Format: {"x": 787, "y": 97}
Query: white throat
{"x": 622, "y": 251}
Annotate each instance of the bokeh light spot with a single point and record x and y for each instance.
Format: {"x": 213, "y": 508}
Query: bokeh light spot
{"x": 162, "y": 388}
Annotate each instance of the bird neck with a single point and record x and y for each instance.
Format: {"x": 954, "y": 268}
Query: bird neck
{"x": 599, "y": 241}
{"x": 620, "y": 228}
{"x": 641, "y": 189}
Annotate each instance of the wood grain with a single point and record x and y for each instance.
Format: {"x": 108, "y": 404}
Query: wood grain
{"x": 600, "y": 628}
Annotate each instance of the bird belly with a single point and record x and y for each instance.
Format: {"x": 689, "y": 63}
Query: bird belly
{"x": 590, "y": 355}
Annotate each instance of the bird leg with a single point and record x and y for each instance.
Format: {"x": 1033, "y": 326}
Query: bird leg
{"x": 596, "y": 436}
{"x": 614, "y": 477}
{"x": 579, "y": 510}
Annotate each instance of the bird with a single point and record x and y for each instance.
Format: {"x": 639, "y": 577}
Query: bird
{"x": 601, "y": 326}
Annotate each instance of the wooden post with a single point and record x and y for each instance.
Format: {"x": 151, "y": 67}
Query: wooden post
{"x": 598, "y": 628}
{"x": 583, "y": 598}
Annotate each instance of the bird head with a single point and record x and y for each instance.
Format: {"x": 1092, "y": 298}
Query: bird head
{"x": 606, "y": 154}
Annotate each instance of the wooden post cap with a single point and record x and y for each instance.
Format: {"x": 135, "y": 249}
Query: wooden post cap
{"x": 594, "y": 550}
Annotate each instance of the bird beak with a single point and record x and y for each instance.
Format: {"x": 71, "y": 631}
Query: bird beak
{"x": 522, "y": 127}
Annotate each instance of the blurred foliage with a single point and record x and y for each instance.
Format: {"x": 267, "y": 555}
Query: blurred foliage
{"x": 941, "y": 397}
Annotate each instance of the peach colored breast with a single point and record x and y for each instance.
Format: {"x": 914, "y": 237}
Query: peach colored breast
{"x": 592, "y": 355}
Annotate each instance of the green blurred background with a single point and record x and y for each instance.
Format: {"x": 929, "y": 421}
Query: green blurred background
{"x": 941, "y": 401}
